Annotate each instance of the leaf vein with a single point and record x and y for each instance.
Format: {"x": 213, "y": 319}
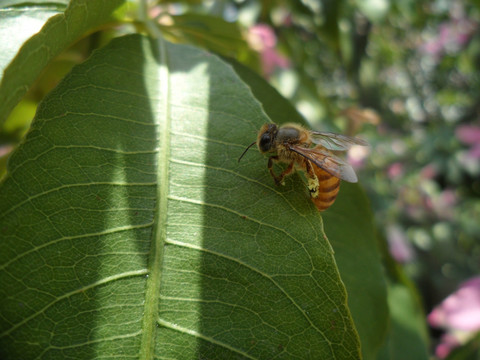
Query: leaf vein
{"x": 63, "y": 238}
{"x": 257, "y": 271}
{"x": 196, "y": 334}
{"x": 101, "y": 282}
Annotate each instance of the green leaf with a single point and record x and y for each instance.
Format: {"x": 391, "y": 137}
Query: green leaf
{"x": 349, "y": 227}
{"x": 408, "y": 334}
{"x": 128, "y": 226}
{"x": 61, "y": 4}
{"x": 17, "y": 25}
{"x": 56, "y": 35}
{"x": 211, "y": 32}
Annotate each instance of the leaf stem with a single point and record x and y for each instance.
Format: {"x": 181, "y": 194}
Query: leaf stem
{"x": 152, "y": 294}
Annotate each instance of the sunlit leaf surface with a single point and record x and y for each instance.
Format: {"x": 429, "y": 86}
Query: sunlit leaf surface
{"x": 128, "y": 227}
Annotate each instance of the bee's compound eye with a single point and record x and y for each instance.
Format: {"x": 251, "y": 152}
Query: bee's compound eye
{"x": 265, "y": 142}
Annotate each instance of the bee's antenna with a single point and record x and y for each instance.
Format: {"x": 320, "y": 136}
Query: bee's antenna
{"x": 248, "y": 147}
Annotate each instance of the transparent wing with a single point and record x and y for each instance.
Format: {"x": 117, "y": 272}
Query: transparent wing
{"x": 336, "y": 142}
{"x": 328, "y": 162}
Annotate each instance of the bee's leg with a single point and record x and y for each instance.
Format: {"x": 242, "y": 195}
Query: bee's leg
{"x": 312, "y": 180}
{"x": 287, "y": 171}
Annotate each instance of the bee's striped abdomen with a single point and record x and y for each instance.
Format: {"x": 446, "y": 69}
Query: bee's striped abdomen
{"x": 328, "y": 187}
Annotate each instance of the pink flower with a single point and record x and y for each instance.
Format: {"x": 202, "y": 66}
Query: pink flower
{"x": 399, "y": 247}
{"x": 443, "y": 204}
{"x": 468, "y": 134}
{"x": 357, "y": 156}
{"x": 452, "y": 36}
{"x": 460, "y": 311}
{"x": 395, "y": 170}
{"x": 428, "y": 172}
{"x": 5, "y": 150}
{"x": 262, "y": 38}
{"x": 447, "y": 344}
{"x": 474, "y": 151}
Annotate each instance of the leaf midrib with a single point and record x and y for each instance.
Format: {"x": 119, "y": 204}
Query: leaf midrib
{"x": 147, "y": 346}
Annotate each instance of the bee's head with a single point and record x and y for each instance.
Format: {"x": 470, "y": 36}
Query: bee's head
{"x": 266, "y": 138}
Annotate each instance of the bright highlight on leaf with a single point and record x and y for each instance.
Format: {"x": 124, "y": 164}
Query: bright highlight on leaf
{"x": 59, "y": 32}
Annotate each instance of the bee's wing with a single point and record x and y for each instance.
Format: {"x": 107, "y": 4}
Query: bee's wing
{"x": 336, "y": 142}
{"x": 328, "y": 162}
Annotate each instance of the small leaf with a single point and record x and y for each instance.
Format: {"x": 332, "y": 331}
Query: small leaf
{"x": 17, "y": 25}
{"x": 57, "y": 34}
{"x": 211, "y": 32}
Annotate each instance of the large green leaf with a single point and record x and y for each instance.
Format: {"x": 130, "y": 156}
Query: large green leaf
{"x": 128, "y": 227}
{"x": 18, "y": 23}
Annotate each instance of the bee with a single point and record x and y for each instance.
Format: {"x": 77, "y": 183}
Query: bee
{"x": 311, "y": 153}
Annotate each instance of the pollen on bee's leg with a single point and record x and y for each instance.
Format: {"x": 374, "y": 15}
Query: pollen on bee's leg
{"x": 313, "y": 186}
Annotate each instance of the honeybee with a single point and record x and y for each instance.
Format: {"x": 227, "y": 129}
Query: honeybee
{"x": 292, "y": 144}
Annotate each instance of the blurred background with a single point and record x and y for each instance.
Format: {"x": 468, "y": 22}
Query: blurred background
{"x": 405, "y": 76}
